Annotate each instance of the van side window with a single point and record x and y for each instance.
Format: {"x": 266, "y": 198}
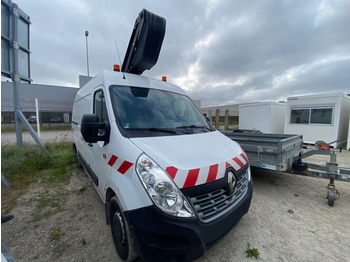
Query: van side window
{"x": 100, "y": 108}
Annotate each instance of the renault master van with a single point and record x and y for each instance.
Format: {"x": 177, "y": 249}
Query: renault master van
{"x": 172, "y": 185}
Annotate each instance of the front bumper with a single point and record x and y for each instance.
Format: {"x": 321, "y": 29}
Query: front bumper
{"x": 160, "y": 237}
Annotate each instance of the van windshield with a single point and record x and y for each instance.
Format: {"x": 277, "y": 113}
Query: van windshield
{"x": 153, "y": 112}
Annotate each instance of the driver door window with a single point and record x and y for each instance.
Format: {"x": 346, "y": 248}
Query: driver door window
{"x": 100, "y": 108}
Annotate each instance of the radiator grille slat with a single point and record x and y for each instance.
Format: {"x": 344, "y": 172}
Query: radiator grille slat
{"x": 214, "y": 204}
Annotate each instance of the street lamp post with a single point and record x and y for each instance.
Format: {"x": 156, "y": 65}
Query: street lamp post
{"x": 87, "y": 52}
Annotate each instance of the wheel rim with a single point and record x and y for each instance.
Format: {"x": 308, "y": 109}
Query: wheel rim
{"x": 119, "y": 229}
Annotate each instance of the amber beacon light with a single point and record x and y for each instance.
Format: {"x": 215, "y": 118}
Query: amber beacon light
{"x": 116, "y": 68}
{"x": 164, "y": 78}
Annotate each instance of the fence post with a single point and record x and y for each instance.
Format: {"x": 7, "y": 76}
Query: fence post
{"x": 217, "y": 118}
{"x": 210, "y": 116}
{"x": 226, "y": 119}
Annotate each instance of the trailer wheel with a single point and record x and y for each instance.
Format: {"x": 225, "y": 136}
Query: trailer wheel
{"x": 331, "y": 197}
{"x": 122, "y": 237}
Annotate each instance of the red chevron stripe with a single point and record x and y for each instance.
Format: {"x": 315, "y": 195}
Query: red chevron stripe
{"x": 112, "y": 160}
{"x": 244, "y": 157}
{"x": 124, "y": 167}
{"x": 213, "y": 172}
{"x": 239, "y": 162}
{"x": 191, "y": 177}
{"x": 171, "y": 170}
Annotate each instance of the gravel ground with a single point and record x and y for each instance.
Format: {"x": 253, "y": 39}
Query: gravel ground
{"x": 310, "y": 231}
{"x": 289, "y": 220}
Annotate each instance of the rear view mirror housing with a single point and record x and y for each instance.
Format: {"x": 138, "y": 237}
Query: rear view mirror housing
{"x": 92, "y": 130}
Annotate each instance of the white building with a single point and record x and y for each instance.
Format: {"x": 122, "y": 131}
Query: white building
{"x": 55, "y": 102}
{"x": 322, "y": 117}
{"x": 266, "y": 117}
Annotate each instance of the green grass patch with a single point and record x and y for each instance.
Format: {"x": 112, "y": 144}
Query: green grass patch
{"x": 83, "y": 241}
{"x": 290, "y": 211}
{"x": 252, "y": 252}
{"x": 29, "y": 164}
{"x": 20, "y": 165}
{"x": 56, "y": 234}
{"x": 47, "y": 205}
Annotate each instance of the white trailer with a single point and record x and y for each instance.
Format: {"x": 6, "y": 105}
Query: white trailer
{"x": 267, "y": 117}
{"x": 323, "y": 117}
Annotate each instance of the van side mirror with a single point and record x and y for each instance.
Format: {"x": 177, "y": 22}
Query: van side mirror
{"x": 92, "y": 130}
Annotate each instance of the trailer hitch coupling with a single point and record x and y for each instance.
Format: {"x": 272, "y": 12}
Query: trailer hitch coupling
{"x": 298, "y": 164}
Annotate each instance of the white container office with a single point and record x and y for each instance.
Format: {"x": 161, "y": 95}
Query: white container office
{"x": 267, "y": 117}
{"x": 322, "y": 117}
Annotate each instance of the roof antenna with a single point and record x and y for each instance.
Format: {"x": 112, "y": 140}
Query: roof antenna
{"x": 120, "y": 62}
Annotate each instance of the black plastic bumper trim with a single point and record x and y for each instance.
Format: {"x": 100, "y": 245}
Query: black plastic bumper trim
{"x": 160, "y": 237}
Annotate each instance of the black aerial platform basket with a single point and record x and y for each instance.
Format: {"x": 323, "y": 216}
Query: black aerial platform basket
{"x": 145, "y": 43}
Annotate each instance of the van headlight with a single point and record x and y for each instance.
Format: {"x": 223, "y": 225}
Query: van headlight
{"x": 162, "y": 189}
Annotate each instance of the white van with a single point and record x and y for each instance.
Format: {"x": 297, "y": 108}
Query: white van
{"x": 172, "y": 185}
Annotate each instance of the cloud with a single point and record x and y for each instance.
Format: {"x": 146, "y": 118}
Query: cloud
{"x": 218, "y": 51}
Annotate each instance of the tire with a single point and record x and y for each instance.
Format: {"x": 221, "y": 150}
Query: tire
{"x": 77, "y": 160}
{"x": 331, "y": 197}
{"x": 122, "y": 237}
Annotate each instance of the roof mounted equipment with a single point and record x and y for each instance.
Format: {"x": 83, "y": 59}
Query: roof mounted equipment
{"x": 145, "y": 43}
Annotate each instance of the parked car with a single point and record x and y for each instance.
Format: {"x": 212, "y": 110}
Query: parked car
{"x": 32, "y": 119}
{"x": 56, "y": 119}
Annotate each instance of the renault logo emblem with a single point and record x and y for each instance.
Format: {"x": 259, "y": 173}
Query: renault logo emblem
{"x": 231, "y": 182}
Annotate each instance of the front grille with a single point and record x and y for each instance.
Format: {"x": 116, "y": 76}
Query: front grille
{"x": 214, "y": 204}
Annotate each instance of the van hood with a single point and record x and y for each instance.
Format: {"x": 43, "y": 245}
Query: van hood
{"x": 195, "y": 159}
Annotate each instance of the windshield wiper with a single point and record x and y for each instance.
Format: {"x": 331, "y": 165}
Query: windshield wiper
{"x": 155, "y": 129}
{"x": 195, "y": 126}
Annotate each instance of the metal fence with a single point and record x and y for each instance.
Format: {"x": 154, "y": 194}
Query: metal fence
{"x": 222, "y": 119}
{"x": 52, "y": 113}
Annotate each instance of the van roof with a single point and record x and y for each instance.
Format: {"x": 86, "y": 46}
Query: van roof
{"x": 109, "y": 78}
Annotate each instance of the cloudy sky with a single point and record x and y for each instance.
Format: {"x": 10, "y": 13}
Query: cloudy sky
{"x": 219, "y": 51}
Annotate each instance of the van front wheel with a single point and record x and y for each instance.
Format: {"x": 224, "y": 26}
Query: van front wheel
{"x": 123, "y": 240}
{"x": 77, "y": 160}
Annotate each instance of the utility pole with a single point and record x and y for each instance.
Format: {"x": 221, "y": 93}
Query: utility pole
{"x": 15, "y": 77}
{"x": 87, "y": 52}
{"x": 14, "y": 19}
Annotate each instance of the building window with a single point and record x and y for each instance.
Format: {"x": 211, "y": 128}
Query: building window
{"x": 311, "y": 116}
{"x": 300, "y": 116}
{"x": 321, "y": 116}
